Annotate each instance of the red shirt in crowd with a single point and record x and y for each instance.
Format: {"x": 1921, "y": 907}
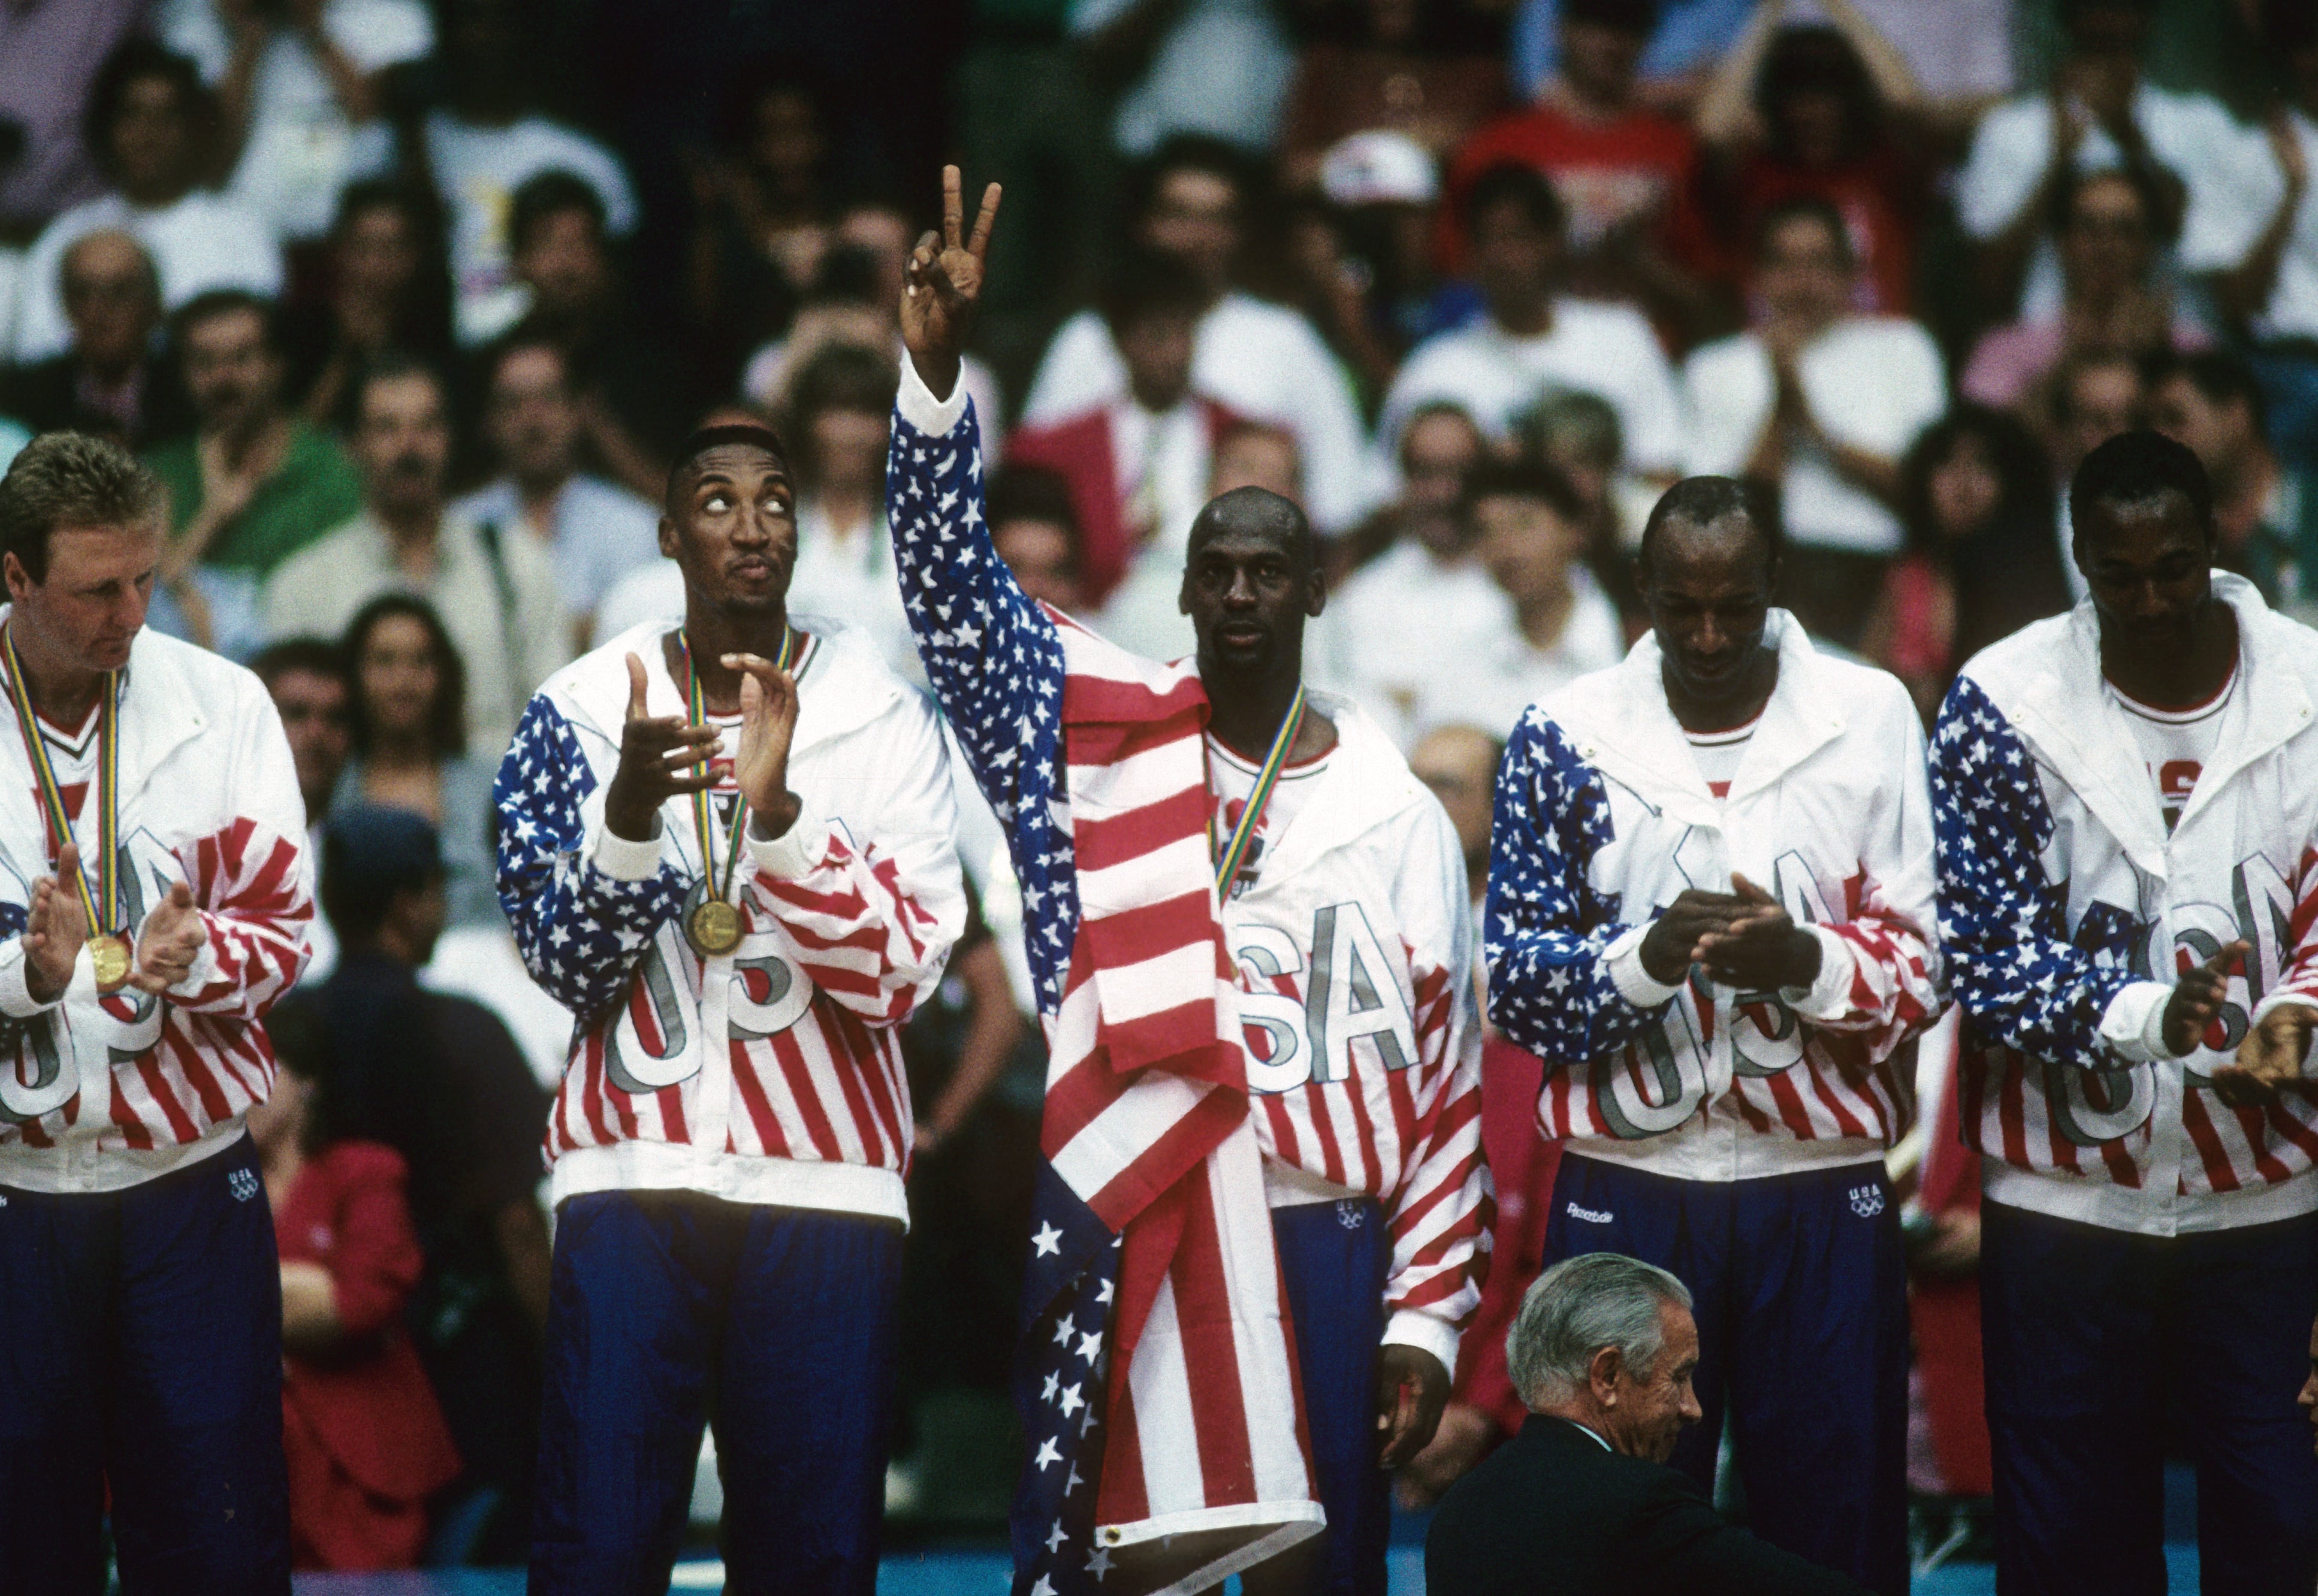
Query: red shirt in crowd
{"x": 1880, "y": 195}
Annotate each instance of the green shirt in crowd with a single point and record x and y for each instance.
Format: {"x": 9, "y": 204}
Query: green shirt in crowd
{"x": 315, "y": 491}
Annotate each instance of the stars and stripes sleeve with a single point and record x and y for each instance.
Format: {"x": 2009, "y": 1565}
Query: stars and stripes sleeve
{"x": 871, "y": 922}
{"x": 1549, "y": 936}
{"x": 2297, "y": 980}
{"x": 251, "y": 881}
{"x": 1441, "y": 1215}
{"x": 992, "y": 656}
{"x": 2003, "y": 924}
{"x": 581, "y": 929}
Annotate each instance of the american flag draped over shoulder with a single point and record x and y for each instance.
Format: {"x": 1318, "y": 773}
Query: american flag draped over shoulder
{"x": 1151, "y": 1252}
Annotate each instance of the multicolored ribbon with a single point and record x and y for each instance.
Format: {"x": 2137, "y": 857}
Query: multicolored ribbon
{"x": 704, "y": 807}
{"x": 1234, "y": 854}
{"x": 52, "y": 798}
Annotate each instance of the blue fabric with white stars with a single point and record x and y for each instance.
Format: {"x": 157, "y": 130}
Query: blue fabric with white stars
{"x": 2012, "y": 961}
{"x": 581, "y": 933}
{"x": 995, "y": 663}
{"x": 1547, "y": 926}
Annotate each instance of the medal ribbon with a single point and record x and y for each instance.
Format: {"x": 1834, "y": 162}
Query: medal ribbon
{"x": 52, "y": 798}
{"x": 704, "y": 806}
{"x": 1234, "y": 852}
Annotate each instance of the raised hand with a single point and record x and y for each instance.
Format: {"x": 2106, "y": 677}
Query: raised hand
{"x": 942, "y": 283}
{"x": 2197, "y": 998}
{"x": 169, "y": 941}
{"x": 55, "y": 928}
{"x": 2270, "y": 1056}
{"x": 660, "y": 757}
{"x": 768, "y": 716}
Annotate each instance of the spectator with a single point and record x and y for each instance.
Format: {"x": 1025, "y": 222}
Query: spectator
{"x": 1459, "y": 765}
{"x": 1687, "y": 39}
{"x": 1138, "y": 463}
{"x": 365, "y": 1439}
{"x": 1035, "y": 526}
{"x": 1577, "y": 433}
{"x": 1262, "y": 360}
{"x": 1628, "y": 174}
{"x": 2265, "y": 512}
{"x": 492, "y": 139}
{"x": 115, "y": 379}
{"x": 2098, "y": 113}
{"x": 838, "y": 416}
{"x": 1422, "y": 598}
{"x": 389, "y": 289}
{"x": 1534, "y": 336}
{"x": 1398, "y": 72}
{"x": 313, "y": 693}
{"x": 1822, "y": 402}
{"x": 1829, "y": 112}
{"x": 299, "y": 93}
{"x": 437, "y": 1078}
{"x": 254, "y": 484}
{"x": 2094, "y": 397}
{"x": 760, "y": 207}
{"x": 148, "y": 123}
{"x": 49, "y": 55}
{"x": 2107, "y": 302}
{"x": 1257, "y": 454}
{"x": 635, "y": 400}
{"x": 1529, "y": 534}
{"x": 1383, "y": 192}
{"x": 408, "y": 733}
{"x": 1581, "y": 1503}
{"x": 2263, "y": 249}
{"x": 1213, "y": 69}
{"x": 595, "y": 531}
{"x": 498, "y": 596}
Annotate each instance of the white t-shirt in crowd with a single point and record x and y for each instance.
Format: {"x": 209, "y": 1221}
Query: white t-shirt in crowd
{"x": 1493, "y": 683}
{"x": 1720, "y": 753}
{"x": 1396, "y": 624}
{"x": 1872, "y": 382}
{"x": 2218, "y": 237}
{"x": 205, "y": 240}
{"x": 1601, "y": 348}
{"x": 2176, "y": 743}
{"x": 1231, "y": 780}
{"x": 2191, "y": 134}
{"x": 1261, "y": 359}
{"x": 852, "y": 578}
{"x": 302, "y": 146}
{"x": 1222, "y": 67}
{"x": 602, "y": 531}
{"x": 478, "y": 170}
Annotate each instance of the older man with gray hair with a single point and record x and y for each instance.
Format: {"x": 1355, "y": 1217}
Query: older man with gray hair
{"x": 1581, "y": 1501}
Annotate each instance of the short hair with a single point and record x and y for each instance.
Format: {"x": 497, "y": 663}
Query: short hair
{"x": 1023, "y": 492}
{"x": 1815, "y": 208}
{"x": 2135, "y": 467}
{"x": 518, "y": 339}
{"x": 446, "y": 717}
{"x": 1187, "y": 152}
{"x": 1636, "y": 17}
{"x": 548, "y": 193}
{"x": 306, "y": 654}
{"x": 209, "y": 305}
{"x": 1148, "y": 282}
{"x": 1812, "y": 57}
{"x": 70, "y": 479}
{"x": 1576, "y": 416}
{"x": 1702, "y": 501}
{"x": 372, "y": 854}
{"x": 2065, "y": 376}
{"x": 132, "y": 60}
{"x": 1537, "y": 480}
{"x": 393, "y": 366}
{"x": 1579, "y": 1306}
{"x": 2075, "y": 180}
{"x": 148, "y": 271}
{"x": 842, "y": 376}
{"x": 1516, "y": 182}
{"x": 2219, "y": 377}
{"x": 1286, "y": 513}
{"x": 700, "y": 440}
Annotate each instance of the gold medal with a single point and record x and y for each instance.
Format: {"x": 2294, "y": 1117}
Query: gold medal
{"x": 713, "y": 928}
{"x": 109, "y": 957}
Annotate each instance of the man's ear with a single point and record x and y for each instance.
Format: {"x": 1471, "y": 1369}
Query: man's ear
{"x": 667, "y": 536}
{"x": 1602, "y": 1372}
{"x": 1315, "y": 595}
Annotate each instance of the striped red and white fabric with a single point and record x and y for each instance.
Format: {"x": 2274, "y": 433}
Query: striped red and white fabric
{"x": 1148, "y": 1122}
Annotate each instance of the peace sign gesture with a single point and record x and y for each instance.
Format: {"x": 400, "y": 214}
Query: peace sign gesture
{"x": 942, "y": 283}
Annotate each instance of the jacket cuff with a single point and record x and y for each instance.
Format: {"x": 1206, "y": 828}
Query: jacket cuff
{"x": 2276, "y": 1001}
{"x": 1412, "y": 1327}
{"x": 919, "y": 407}
{"x": 204, "y": 975}
{"x": 2133, "y": 1026}
{"x": 1637, "y": 985}
{"x": 624, "y": 860}
{"x": 16, "y": 999}
{"x": 796, "y": 852}
{"x": 1828, "y": 996}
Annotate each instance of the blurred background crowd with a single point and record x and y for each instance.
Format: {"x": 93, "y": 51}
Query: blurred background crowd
{"x": 408, "y": 301}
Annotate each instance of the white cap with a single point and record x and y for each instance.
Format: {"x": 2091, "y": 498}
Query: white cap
{"x": 1378, "y": 168}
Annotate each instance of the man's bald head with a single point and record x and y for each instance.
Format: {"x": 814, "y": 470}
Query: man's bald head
{"x": 113, "y": 298}
{"x": 110, "y": 256}
{"x": 1257, "y": 512}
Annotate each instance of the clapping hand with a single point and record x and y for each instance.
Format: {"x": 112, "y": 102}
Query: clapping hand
{"x": 2270, "y": 1056}
{"x": 660, "y": 757}
{"x": 942, "y": 283}
{"x": 1760, "y": 948}
{"x": 768, "y": 717}
{"x": 170, "y": 940}
{"x": 56, "y": 929}
{"x": 2197, "y": 998}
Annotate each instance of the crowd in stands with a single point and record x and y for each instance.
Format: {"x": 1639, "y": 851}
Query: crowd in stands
{"x": 410, "y": 302}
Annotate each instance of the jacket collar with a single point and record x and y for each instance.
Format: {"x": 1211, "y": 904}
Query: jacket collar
{"x": 160, "y": 709}
{"x": 1624, "y": 727}
{"x": 1366, "y": 783}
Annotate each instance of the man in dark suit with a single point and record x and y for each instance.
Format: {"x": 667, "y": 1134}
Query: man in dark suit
{"x": 113, "y": 382}
{"x": 1581, "y": 1503}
